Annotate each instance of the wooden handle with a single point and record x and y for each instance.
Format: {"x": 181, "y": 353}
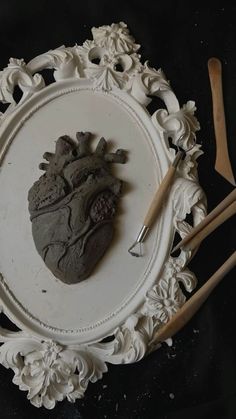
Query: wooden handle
{"x": 222, "y": 164}
{"x": 159, "y": 197}
{"x": 216, "y": 222}
{"x": 187, "y": 311}
{"x": 214, "y": 213}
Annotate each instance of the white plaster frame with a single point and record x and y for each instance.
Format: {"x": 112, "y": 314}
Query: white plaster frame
{"x": 51, "y": 366}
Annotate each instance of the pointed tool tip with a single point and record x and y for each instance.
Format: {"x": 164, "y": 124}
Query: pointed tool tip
{"x": 174, "y": 249}
{"x": 228, "y": 176}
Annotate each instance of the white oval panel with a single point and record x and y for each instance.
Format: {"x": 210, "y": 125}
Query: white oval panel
{"x": 91, "y": 309}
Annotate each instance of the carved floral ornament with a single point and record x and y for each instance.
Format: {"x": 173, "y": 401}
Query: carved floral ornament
{"x": 51, "y": 371}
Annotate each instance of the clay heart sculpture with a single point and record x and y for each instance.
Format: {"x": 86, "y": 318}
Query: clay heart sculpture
{"x": 72, "y": 206}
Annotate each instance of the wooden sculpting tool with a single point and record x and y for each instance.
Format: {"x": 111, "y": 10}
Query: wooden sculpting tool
{"x": 187, "y": 311}
{"x": 222, "y": 163}
{"x": 223, "y": 211}
{"x": 155, "y": 206}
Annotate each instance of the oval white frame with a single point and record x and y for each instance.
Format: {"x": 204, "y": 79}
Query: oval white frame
{"x": 38, "y": 351}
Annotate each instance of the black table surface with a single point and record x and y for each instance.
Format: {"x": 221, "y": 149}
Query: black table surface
{"x": 196, "y": 377}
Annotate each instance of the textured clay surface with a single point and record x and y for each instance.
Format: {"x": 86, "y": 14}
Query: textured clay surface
{"x": 72, "y": 206}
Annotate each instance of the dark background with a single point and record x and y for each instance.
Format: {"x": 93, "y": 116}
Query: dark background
{"x": 178, "y": 36}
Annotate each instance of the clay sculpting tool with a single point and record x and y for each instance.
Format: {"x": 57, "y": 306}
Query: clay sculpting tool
{"x": 224, "y": 210}
{"x": 155, "y": 207}
{"x": 222, "y": 163}
{"x": 187, "y": 311}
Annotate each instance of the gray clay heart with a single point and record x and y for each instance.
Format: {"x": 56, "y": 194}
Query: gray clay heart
{"x": 72, "y": 206}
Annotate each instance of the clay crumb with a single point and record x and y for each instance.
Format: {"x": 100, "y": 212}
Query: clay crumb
{"x": 169, "y": 342}
{"x": 171, "y": 356}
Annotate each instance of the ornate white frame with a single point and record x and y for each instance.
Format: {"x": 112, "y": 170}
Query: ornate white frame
{"x": 52, "y": 371}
